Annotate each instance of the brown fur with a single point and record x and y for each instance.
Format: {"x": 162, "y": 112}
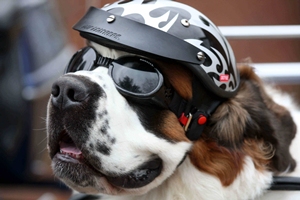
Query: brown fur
{"x": 249, "y": 124}
{"x": 260, "y": 152}
{"x": 253, "y": 114}
{"x": 171, "y": 128}
{"x": 217, "y": 160}
{"x": 179, "y": 78}
{"x": 226, "y": 163}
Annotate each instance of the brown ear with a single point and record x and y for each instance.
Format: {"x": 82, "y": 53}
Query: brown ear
{"x": 253, "y": 114}
{"x": 227, "y": 124}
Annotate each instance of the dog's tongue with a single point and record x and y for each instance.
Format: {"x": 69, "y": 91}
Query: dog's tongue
{"x": 69, "y": 148}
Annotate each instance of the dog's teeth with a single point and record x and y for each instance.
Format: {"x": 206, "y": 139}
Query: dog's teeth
{"x": 77, "y": 156}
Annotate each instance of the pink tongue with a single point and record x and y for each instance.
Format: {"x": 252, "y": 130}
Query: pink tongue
{"x": 69, "y": 148}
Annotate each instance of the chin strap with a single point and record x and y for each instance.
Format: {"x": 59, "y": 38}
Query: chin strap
{"x": 193, "y": 114}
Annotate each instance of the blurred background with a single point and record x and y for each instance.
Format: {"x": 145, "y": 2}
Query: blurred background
{"x": 36, "y": 42}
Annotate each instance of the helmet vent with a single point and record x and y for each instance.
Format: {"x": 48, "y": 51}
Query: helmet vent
{"x": 125, "y": 1}
{"x": 219, "y": 68}
{"x": 204, "y": 21}
{"x": 148, "y": 1}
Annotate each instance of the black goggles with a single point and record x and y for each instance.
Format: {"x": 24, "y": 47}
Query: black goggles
{"x": 134, "y": 76}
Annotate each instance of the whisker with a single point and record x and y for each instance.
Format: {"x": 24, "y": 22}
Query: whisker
{"x": 42, "y": 151}
{"x": 43, "y": 140}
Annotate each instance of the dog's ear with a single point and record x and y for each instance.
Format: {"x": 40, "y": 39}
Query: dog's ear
{"x": 253, "y": 114}
{"x": 228, "y": 123}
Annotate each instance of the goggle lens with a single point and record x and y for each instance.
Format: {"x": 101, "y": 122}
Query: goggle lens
{"x": 84, "y": 59}
{"x": 135, "y": 75}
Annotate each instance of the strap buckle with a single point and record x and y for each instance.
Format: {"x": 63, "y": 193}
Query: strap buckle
{"x": 185, "y": 120}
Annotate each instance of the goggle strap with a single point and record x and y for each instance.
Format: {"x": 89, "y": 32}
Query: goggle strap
{"x": 204, "y": 104}
{"x": 178, "y": 105}
{"x": 104, "y": 61}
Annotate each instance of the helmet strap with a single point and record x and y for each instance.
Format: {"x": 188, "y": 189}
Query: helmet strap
{"x": 194, "y": 114}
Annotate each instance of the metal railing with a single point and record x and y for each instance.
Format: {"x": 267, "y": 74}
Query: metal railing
{"x": 281, "y": 73}
{"x": 261, "y": 32}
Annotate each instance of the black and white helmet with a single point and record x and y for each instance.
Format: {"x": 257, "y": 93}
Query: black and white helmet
{"x": 168, "y": 30}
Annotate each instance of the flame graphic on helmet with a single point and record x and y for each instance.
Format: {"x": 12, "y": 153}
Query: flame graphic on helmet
{"x": 166, "y": 16}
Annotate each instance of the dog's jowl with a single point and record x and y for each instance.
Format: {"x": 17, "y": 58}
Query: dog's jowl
{"x": 155, "y": 107}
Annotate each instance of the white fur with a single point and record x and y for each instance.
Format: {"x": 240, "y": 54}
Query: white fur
{"x": 188, "y": 183}
{"x": 128, "y": 152}
{"x": 108, "y": 52}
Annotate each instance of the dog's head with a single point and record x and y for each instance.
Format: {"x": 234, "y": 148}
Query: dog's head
{"x": 122, "y": 124}
{"x": 101, "y": 141}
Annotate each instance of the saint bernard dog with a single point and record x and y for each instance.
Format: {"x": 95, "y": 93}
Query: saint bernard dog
{"x": 123, "y": 123}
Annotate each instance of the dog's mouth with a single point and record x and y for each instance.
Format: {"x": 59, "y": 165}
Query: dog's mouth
{"x": 70, "y": 157}
{"x": 140, "y": 177}
{"x": 68, "y": 151}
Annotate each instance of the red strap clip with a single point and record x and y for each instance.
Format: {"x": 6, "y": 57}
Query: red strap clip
{"x": 185, "y": 120}
{"x": 202, "y": 120}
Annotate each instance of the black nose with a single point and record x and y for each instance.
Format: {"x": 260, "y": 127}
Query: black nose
{"x": 69, "y": 91}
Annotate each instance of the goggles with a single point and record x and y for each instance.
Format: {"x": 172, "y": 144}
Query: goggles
{"x": 134, "y": 76}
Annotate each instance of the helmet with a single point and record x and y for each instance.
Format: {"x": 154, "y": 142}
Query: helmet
{"x": 168, "y": 30}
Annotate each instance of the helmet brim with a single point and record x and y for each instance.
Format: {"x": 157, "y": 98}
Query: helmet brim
{"x": 129, "y": 35}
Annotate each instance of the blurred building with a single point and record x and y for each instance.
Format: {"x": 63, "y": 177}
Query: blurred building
{"x": 37, "y": 41}
{"x": 33, "y": 51}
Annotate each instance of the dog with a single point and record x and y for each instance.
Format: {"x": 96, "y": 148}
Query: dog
{"x": 244, "y": 145}
{"x": 105, "y": 143}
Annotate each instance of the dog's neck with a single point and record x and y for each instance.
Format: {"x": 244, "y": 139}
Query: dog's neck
{"x": 188, "y": 183}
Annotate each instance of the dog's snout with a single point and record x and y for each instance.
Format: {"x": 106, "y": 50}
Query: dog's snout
{"x": 69, "y": 91}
